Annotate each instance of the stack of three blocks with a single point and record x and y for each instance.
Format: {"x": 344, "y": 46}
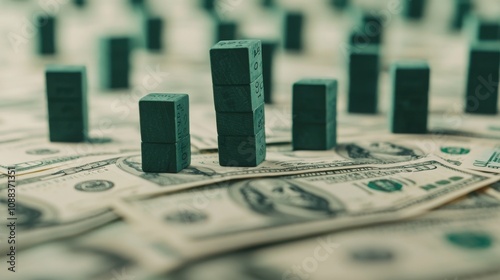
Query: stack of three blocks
{"x": 239, "y": 102}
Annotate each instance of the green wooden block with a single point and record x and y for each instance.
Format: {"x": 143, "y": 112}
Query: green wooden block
{"x": 239, "y": 98}
{"x": 166, "y": 157}
{"x": 226, "y": 30}
{"x": 242, "y": 151}
{"x": 414, "y": 9}
{"x": 363, "y": 80}
{"x": 237, "y": 62}
{"x": 484, "y": 29}
{"x": 294, "y": 22}
{"x": 241, "y": 124}
{"x": 66, "y": 109}
{"x": 340, "y": 4}
{"x": 154, "y": 33}
{"x": 410, "y": 99}
{"x": 46, "y": 35}
{"x": 482, "y": 79}
{"x": 164, "y": 118}
{"x": 369, "y": 27}
{"x": 65, "y": 82}
{"x": 114, "y": 58}
{"x": 410, "y": 123}
{"x": 68, "y": 131}
{"x": 314, "y": 101}
{"x": 461, "y": 9}
{"x": 314, "y": 136}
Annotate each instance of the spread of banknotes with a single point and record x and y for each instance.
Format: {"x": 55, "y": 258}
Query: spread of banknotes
{"x": 378, "y": 206}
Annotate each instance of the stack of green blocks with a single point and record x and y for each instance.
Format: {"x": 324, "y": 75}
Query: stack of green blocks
{"x": 314, "y": 114}
{"x": 166, "y": 143}
{"x": 115, "y": 62}
{"x": 46, "y": 35}
{"x": 482, "y": 78}
{"x": 67, "y": 103}
{"x": 363, "y": 80}
{"x": 239, "y": 102}
{"x": 410, "y": 98}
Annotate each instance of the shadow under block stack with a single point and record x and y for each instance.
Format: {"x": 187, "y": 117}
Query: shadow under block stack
{"x": 239, "y": 102}
{"x": 166, "y": 143}
{"x": 410, "y": 97}
{"x": 115, "y": 62}
{"x": 67, "y": 103}
{"x": 314, "y": 114}
{"x": 363, "y": 80}
{"x": 482, "y": 78}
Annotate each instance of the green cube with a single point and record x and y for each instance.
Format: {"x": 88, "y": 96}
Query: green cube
{"x": 68, "y": 131}
{"x": 166, "y": 157}
{"x": 242, "y": 151}
{"x": 65, "y": 82}
{"x": 293, "y": 31}
{"x": 237, "y": 62}
{"x": 239, "y": 98}
{"x": 154, "y": 33}
{"x": 314, "y": 101}
{"x": 164, "y": 118}
{"x": 241, "y": 124}
{"x": 66, "y": 109}
{"x": 314, "y": 136}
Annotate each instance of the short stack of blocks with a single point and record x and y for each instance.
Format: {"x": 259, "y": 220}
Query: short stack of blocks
{"x": 67, "y": 103}
{"x": 239, "y": 102}
{"x": 410, "y": 98}
{"x": 166, "y": 143}
{"x": 115, "y": 62}
{"x": 314, "y": 125}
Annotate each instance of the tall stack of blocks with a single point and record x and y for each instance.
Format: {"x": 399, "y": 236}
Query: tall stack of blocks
{"x": 239, "y": 102}
{"x": 410, "y": 100}
{"x": 67, "y": 103}
{"x": 314, "y": 109}
{"x": 166, "y": 143}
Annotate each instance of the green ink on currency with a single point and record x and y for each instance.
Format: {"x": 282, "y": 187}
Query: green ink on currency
{"x": 385, "y": 185}
{"x": 470, "y": 240}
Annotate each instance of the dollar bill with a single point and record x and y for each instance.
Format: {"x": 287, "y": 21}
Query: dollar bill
{"x": 231, "y": 216}
{"x": 451, "y": 245}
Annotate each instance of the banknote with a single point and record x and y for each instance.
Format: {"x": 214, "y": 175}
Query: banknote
{"x": 238, "y": 214}
{"x": 456, "y": 244}
{"x": 110, "y": 252}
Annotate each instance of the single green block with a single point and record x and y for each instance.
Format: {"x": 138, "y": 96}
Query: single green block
{"x": 239, "y": 98}
{"x": 268, "y": 3}
{"x": 46, "y": 35}
{"x": 65, "y": 82}
{"x": 226, "y": 30}
{"x": 164, "y": 118}
{"x": 208, "y": 5}
{"x": 482, "y": 79}
{"x": 68, "y": 131}
{"x": 115, "y": 62}
{"x": 410, "y": 97}
{"x": 154, "y": 33}
{"x": 166, "y": 158}
{"x": 414, "y": 9}
{"x": 363, "y": 80}
{"x": 294, "y": 22}
{"x": 314, "y": 101}
{"x": 80, "y": 3}
{"x": 240, "y": 124}
{"x": 314, "y": 136}
{"x": 369, "y": 26}
{"x": 242, "y": 151}
{"x": 237, "y": 62}
{"x": 484, "y": 29}
{"x": 461, "y": 9}
{"x": 268, "y": 50}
